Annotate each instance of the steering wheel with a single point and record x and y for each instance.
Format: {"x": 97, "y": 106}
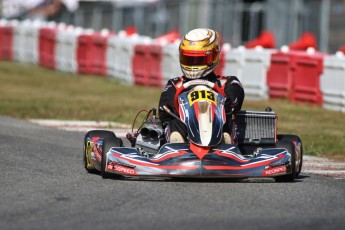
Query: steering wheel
{"x": 188, "y": 84}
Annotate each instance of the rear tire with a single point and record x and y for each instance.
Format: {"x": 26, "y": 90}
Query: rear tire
{"x": 289, "y": 145}
{"x": 294, "y": 138}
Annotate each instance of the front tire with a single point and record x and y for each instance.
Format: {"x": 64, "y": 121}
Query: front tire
{"x": 109, "y": 140}
{"x": 108, "y": 143}
{"x": 298, "y": 141}
{"x": 88, "y": 165}
{"x": 290, "y": 147}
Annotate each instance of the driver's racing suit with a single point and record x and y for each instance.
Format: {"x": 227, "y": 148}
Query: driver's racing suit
{"x": 234, "y": 98}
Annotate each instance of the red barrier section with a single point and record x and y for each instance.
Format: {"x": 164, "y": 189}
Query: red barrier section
{"x": 304, "y": 42}
{"x": 47, "y": 41}
{"x": 6, "y": 41}
{"x": 141, "y": 64}
{"x": 306, "y": 78}
{"x": 280, "y": 75}
{"x": 99, "y": 48}
{"x": 342, "y": 49}
{"x": 91, "y": 54}
{"x": 84, "y": 53}
{"x": 155, "y": 77}
{"x": 266, "y": 40}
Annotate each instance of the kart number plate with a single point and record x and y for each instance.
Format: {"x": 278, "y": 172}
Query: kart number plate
{"x": 202, "y": 95}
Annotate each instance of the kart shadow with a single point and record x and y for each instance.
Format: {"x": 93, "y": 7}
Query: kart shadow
{"x": 299, "y": 179}
{"x": 212, "y": 180}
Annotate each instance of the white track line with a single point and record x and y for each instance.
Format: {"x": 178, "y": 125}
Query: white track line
{"x": 84, "y": 126}
{"x": 323, "y": 166}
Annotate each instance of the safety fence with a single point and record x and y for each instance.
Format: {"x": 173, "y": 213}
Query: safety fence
{"x": 300, "y": 76}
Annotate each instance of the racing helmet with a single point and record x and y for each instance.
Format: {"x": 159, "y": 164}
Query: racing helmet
{"x": 199, "y": 52}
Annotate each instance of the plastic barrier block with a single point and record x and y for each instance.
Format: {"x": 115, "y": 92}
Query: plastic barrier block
{"x": 66, "y": 49}
{"x": 254, "y": 74}
{"x": 47, "y": 43}
{"x": 155, "y": 67}
{"x": 280, "y": 75}
{"x": 6, "y": 36}
{"x": 26, "y": 37}
{"x": 98, "y": 49}
{"x": 306, "y": 77}
{"x": 141, "y": 64}
{"x": 84, "y": 53}
{"x": 234, "y": 62}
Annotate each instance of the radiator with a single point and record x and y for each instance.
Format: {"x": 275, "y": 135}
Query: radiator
{"x": 255, "y": 127}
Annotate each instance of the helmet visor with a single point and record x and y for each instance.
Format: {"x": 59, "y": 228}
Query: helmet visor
{"x": 197, "y": 57}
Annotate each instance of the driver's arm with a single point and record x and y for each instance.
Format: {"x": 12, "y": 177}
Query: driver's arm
{"x": 234, "y": 94}
{"x": 167, "y": 99}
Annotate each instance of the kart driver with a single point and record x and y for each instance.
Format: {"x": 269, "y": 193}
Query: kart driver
{"x": 199, "y": 55}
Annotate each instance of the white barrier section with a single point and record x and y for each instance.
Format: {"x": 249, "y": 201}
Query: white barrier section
{"x": 332, "y": 82}
{"x": 120, "y": 53}
{"x": 254, "y": 73}
{"x": 110, "y": 55}
{"x": 18, "y": 41}
{"x": 66, "y": 49}
{"x": 26, "y": 40}
{"x": 170, "y": 62}
{"x": 234, "y": 62}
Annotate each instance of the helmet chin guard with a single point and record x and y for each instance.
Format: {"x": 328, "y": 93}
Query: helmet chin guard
{"x": 196, "y": 74}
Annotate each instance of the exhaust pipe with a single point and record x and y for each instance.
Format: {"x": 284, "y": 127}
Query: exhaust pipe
{"x": 155, "y": 134}
{"x": 152, "y": 133}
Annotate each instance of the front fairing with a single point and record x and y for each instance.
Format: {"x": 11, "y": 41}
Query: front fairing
{"x": 202, "y": 110}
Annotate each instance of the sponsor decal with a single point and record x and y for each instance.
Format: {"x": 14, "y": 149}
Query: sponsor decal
{"x": 125, "y": 170}
{"x": 97, "y": 151}
{"x": 121, "y": 167}
{"x": 109, "y": 167}
{"x": 275, "y": 170}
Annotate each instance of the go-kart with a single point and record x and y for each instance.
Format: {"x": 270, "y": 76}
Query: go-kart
{"x": 257, "y": 149}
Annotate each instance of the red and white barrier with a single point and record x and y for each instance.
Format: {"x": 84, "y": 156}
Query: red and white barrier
{"x": 147, "y": 64}
{"x": 300, "y": 76}
{"x": 250, "y": 66}
{"x": 308, "y": 67}
{"x": 120, "y": 55}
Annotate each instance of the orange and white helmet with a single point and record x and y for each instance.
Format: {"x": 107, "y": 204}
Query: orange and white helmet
{"x": 199, "y": 52}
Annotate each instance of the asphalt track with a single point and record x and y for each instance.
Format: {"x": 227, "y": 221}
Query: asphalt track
{"x": 43, "y": 185}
